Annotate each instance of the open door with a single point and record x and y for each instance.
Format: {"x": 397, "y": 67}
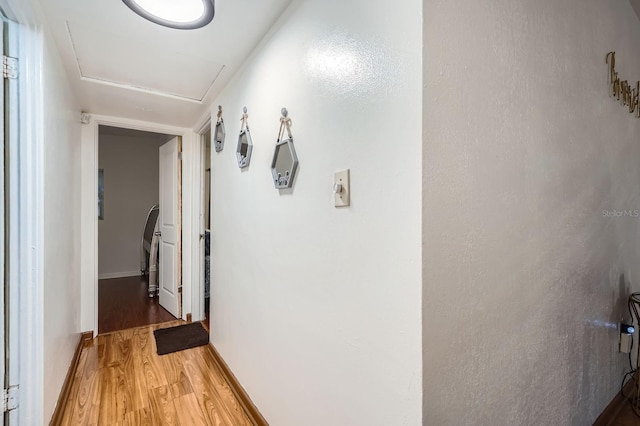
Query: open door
{"x": 169, "y": 227}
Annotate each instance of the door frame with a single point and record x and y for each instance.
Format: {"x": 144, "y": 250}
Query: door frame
{"x": 12, "y": 216}
{"x": 89, "y": 224}
{"x": 205, "y": 124}
{"x": 27, "y": 174}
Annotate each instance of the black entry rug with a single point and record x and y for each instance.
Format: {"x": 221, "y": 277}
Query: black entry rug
{"x": 179, "y": 338}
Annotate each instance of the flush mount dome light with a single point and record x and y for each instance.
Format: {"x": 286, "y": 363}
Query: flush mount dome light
{"x": 182, "y": 14}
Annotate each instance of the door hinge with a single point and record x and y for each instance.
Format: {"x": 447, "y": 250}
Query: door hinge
{"x": 10, "y": 398}
{"x": 9, "y": 67}
{"x": 180, "y": 156}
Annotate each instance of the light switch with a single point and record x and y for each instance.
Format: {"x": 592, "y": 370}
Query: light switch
{"x": 342, "y": 189}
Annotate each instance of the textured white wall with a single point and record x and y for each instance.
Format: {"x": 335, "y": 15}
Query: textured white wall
{"x": 317, "y": 309}
{"x": 130, "y": 166}
{"x": 523, "y": 151}
{"x": 61, "y": 228}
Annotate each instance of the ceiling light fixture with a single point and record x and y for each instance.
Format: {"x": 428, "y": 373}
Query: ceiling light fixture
{"x": 182, "y": 15}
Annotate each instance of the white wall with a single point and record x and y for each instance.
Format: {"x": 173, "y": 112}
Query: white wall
{"x": 130, "y": 164}
{"x": 317, "y": 309}
{"x": 523, "y": 151}
{"x": 61, "y": 228}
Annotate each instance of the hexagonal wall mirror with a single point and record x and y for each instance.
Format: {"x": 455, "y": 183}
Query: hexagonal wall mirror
{"x": 219, "y": 133}
{"x": 285, "y": 160}
{"x": 284, "y": 164}
{"x": 243, "y": 151}
{"x": 245, "y": 144}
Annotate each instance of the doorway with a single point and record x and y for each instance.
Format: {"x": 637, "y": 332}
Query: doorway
{"x": 190, "y": 211}
{"x": 130, "y": 182}
{"x": 205, "y": 249}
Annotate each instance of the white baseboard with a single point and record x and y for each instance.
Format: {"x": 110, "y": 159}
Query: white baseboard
{"x": 119, "y": 275}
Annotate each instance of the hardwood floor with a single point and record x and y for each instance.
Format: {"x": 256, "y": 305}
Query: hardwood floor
{"x": 122, "y": 381}
{"x": 124, "y": 303}
{"x": 626, "y": 417}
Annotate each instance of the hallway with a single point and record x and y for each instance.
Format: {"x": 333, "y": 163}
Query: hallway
{"x": 489, "y": 153}
{"x": 121, "y": 380}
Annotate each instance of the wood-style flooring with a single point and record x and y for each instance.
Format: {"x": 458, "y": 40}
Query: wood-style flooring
{"x": 625, "y": 417}
{"x": 121, "y": 380}
{"x": 125, "y": 303}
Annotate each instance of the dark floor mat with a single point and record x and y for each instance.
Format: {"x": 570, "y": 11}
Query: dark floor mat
{"x": 179, "y": 338}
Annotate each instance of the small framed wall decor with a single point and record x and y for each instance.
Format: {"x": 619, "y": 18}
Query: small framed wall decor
{"x": 219, "y": 133}
{"x": 245, "y": 144}
{"x": 285, "y": 161}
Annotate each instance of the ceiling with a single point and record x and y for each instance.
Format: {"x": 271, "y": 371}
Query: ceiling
{"x": 121, "y": 65}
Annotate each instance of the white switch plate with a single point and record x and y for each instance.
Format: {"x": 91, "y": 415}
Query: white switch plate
{"x": 343, "y": 198}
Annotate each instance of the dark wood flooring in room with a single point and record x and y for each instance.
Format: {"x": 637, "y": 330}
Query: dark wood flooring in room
{"x": 625, "y": 417}
{"x": 124, "y": 303}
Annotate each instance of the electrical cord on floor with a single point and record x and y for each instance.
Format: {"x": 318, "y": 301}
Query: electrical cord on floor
{"x": 631, "y": 399}
{"x": 632, "y": 374}
{"x": 624, "y": 382}
{"x": 629, "y": 308}
{"x": 630, "y": 352}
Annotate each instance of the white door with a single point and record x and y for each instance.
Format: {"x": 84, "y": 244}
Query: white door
{"x": 169, "y": 228}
